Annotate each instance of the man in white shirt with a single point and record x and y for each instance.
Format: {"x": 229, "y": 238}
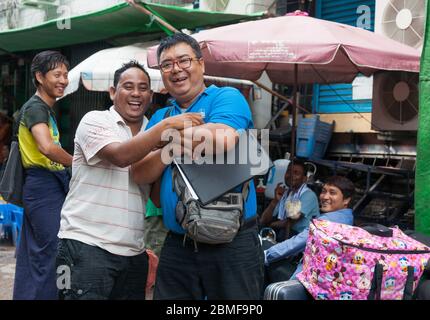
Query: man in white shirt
{"x": 102, "y": 219}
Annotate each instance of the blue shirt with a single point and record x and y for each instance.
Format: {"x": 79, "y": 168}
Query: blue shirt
{"x": 309, "y": 209}
{"x": 224, "y": 105}
{"x": 297, "y": 243}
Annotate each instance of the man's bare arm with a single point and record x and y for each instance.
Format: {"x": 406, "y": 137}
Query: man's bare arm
{"x": 123, "y": 154}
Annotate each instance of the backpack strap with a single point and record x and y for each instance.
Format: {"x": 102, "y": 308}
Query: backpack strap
{"x": 168, "y": 112}
{"x": 245, "y": 191}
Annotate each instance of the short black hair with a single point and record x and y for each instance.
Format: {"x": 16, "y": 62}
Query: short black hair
{"x": 46, "y": 61}
{"x": 343, "y": 184}
{"x": 300, "y": 163}
{"x": 126, "y": 66}
{"x": 176, "y": 38}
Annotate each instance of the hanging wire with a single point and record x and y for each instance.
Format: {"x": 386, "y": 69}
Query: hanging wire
{"x": 346, "y": 102}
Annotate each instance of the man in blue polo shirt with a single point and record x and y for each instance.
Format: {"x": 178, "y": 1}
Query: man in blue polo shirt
{"x": 223, "y": 271}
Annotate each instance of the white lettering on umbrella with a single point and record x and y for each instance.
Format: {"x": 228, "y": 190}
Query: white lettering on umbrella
{"x": 275, "y": 51}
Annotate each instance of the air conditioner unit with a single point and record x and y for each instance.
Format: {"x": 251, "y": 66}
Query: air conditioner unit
{"x": 235, "y": 6}
{"x": 214, "y": 5}
{"x": 40, "y": 3}
{"x": 31, "y": 16}
{"x": 401, "y": 20}
{"x": 395, "y": 101}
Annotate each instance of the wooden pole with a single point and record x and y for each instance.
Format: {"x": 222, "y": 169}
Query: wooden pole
{"x": 276, "y": 94}
{"x": 152, "y": 16}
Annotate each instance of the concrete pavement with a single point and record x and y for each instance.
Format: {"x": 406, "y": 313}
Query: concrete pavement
{"x": 7, "y": 270}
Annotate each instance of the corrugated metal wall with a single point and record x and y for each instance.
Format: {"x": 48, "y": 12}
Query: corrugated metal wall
{"x": 332, "y": 98}
{"x": 74, "y": 107}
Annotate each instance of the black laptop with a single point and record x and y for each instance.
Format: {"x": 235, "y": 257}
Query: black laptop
{"x": 208, "y": 182}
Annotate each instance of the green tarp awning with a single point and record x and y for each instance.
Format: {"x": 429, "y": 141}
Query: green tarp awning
{"x": 422, "y": 175}
{"x": 111, "y": 22}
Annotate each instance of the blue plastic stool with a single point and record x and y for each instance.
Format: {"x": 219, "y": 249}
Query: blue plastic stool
{"x": 17, "y": 216}
{"x": 11, "y": 220}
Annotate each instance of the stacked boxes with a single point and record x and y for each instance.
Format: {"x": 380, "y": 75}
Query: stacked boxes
{"x": 313, "y": 137}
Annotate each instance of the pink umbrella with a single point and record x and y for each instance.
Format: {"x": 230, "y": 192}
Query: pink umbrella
{"x": 324, "y": 51}
{"x": 298, "y": 49}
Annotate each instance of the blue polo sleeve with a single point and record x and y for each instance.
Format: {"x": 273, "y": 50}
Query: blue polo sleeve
{"x": 230, "y": 107}
{"x": 286, "y": 248}
{"x": 156, "y": 118}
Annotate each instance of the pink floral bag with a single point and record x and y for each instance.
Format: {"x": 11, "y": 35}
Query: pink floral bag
{"x": 343, "y": 262}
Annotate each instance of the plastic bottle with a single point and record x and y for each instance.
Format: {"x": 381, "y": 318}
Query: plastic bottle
{"x": 260, "y": 188}
{"x": 276, "y": 175}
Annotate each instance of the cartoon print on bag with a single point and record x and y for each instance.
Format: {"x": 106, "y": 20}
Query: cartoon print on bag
{"x": 364, "y": 242}
{"x": 399, "y": 244}
{"x": 315, "y": 276}
{"x": 325, "y": 242}
{"x": 323, "y": 223}
{"x": 358, "y": 258}
{"x": 338, "y": 250}
{"x": 338, "y": 277}
{"x": 331, "y": 262}
{"x": 345, "y": 295}
{"x": 382, "y": 262}
{"x": 338, "y": 236}
{"x": 363, "y": 282}
{"x": 314, "y": 248}
{"x": 423, "y": 264}
{"x": 404, "y": 263}
{"x": 390, "y": 283}
{"x": 322, "y": 296}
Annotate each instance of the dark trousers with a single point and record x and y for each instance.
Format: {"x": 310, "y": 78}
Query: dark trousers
{"x": 280, "y": 270}
{"x": 43, "y": 195}
{"x": 225, "y": 271}
{"x": 96, "y": 274}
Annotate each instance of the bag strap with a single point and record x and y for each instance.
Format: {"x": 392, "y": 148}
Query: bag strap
{"x": 168, "y": 112}
{"x": 424, "y": 278}
{"x": 409, "y": 285}
{"x": 245, "y": 191}
{"x": 375, "y": 289}
{"x": 17, "y": 123}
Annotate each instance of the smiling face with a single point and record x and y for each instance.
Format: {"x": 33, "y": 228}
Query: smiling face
{"x": 332, "y": 199}
{"x": 54, "y": 82}
{"x": 132, "y": 95}
{"x": 183, "y": 84}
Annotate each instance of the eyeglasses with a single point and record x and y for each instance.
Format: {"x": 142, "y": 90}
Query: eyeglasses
{"x": 183, "y": 63}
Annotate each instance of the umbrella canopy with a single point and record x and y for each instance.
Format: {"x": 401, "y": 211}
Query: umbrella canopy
{"x": 323, "y": 51}
{"x": 97, "y": 71}
{"x": 298, "y": 49}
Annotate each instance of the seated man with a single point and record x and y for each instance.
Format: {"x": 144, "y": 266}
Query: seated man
{"x": 291, "y": 210}
{"x": 335, "y": 199}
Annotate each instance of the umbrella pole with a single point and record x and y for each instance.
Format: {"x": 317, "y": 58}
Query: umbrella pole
{"x": 294, "y": 108}
{"x": 293, "y": 126}
{"x": 276, "y": 94}
{"x": 141, "y": 7}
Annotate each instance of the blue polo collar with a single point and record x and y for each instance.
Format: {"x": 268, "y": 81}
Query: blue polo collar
{"x": 209, "y": 90}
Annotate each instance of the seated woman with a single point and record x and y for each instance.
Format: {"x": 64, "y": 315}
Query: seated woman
{"x": 335, "y": 200}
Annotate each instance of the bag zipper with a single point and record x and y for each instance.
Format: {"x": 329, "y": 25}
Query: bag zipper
{"x": 377, "y": 250}
{"x": 384, "y": 251}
